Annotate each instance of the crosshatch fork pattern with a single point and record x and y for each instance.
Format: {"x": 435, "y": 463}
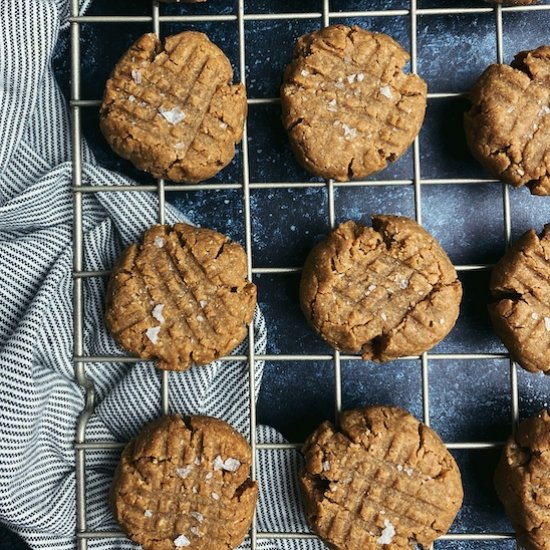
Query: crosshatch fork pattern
{"x": 324, "y": 17}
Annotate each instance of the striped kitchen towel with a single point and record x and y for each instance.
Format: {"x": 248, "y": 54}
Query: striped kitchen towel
{"x": 40, "y": 400}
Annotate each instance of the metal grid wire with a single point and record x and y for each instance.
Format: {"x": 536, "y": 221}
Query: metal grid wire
{"x": 323, "y": 18}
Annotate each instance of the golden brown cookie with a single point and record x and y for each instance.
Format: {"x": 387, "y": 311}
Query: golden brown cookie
{"x": 171, "y": 108}
{"x": 508, "y": 125}
{"x": 523, "y": 484}
{"x": 384, "y": 291}
{"x": 380, "y": 480}
{"x": 184, "y": 483}
{"x": 520, "y": 283}
{"x": 347, "y": 105}
{"x": 182, "y": 296}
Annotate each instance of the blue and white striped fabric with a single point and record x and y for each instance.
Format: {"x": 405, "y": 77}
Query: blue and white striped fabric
{"x": 39, "y": 398}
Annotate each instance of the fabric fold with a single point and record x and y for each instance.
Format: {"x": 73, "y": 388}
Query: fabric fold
{"x": 40, "y": 400}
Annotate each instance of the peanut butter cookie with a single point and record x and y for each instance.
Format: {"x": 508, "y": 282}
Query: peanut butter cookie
{"x": 523, "y": 484}
{"x": 380, "y": 480}
{"x": 508, "y": 125}
{"x": 171, "y": 108}
{"x": 384, "y": 291}
{"x": 347, "y": 105}
{"x": 520, "y": 282}
{"x": 181, "y": 297}
{"x": 184, "y": 483}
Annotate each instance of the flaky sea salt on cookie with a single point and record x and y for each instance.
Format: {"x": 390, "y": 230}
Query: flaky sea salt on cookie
{"x": 508, "y": 125}
{"x": 347, "y": 105}
{"x": 520, "y": 285}
{"x": 171, "y": 108}
{"x": 181, "y": 297}
{"x": 522, "y": 482}
{"x": 381, "y": 479}
{"x": 185, "y": 483}
{"x": 384, "y": 291}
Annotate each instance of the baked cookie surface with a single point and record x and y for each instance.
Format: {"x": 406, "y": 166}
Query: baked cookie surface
{"x": 520, "y": 283}
{"x": 172, "y": 110}
{"x": 508, "y": 125}
{"x": 384, "y": 291}
{"x": 347, "y": 105}
{"x": 522, "y": 482}
{"x": 185, "y": 483}
{"x": 380, "y": 480}
{"x": 182, "y": 296}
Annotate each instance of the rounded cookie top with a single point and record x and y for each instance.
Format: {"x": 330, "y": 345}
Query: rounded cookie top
{"x": 508, "y": 125}
{"x": 182, "y": 296}
{"x": 385, "y": 291}
{"x": 347, "y": 105}
{"x": 171, "y": 108}
{"x": 520, "y": 284}
{"x": 185, "y": 483}
{"x": 522, "y": 482}
{"x": 381, "y": 479}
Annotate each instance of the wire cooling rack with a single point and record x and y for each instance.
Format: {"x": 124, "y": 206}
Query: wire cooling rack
{"x": 325, "y": 16}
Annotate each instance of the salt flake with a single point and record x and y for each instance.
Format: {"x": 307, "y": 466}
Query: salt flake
{"x": 215, "y": 496}
{"x": 181, "y": 541}
{"x": 153, "y": 334}
{"x": 360, "y": 77}
{"x": 157, "y": 313}
{"x": 223, "y": 125}
{"x": 332, "y": 105}
{"x": 545, "y": 110}
{"x": 173, "y": 116}
{"x": 148, "y": 514}
{"x": 534, "y": 315}
{"x": 408, "y": 471}
{"x": 198, "y": 516}
{"x": 351, "y": 78}
{"x": 386, "y": 92}
{"x": 387, "y": 534}
{"x": 203, "y": 303}
{"x": 384, "y": 316}
{"x": 547, "y": 324}
{"x": 200, "y": 318}
{"x": 370, "y": 288}
{"x": 131, "y": 98}
{"x": 184, "y": 472}
{"x": 208, "y": 476}
{"x": 404, "y": 284}
{"x": 231, "y": 465}
{"x": 197, "y": 460}
{"x": 159, "y": 242}
{"x": 304, "y": 72}
{"x": 136, "y": 76}
{"x": 195, "y": 531}
{"x": 326, "y": 466}
{"x": 349, "y": 132}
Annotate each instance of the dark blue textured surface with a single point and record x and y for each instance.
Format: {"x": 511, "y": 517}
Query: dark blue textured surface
{"x": 469, "y": 399}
